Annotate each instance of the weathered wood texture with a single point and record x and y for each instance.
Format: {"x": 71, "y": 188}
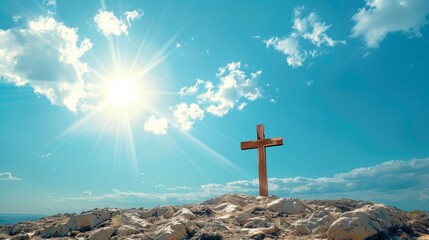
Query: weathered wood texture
{"x": 261, "y": 144}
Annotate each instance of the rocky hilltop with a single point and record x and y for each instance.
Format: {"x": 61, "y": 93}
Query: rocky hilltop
{"x": 234, "y": 216}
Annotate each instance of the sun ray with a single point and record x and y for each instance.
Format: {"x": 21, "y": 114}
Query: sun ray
{"x": 73, "y": 131}
{"x": 188, "y": 158}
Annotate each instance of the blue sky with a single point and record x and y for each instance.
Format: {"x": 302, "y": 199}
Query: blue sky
{"x": 144, "y": 103}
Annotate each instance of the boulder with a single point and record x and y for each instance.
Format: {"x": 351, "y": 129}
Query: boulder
{"x": 318, "y": 222}
{"x": 126, "y": 230}
{"x": 169, "y": 214}
{"x": 89, "y": 220}
{"x": 171, "y": 232}
{"x": 102, "y": 233}
{"x": 227, "y": 207}
{"x": 133, "y": 220}
{"x": 185, "y": 213}
{"x": 257, "y": 222}
{"x": 83, "y": 222}
{"x": 155, "y": 212}
{"x": 260, "y": 231}
{"x": 300, "y": 227}
{"x": 287, "y": 205}
{"x": 365, "y": 222}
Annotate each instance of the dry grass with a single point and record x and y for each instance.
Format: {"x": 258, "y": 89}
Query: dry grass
{"x": 117, "y": 220}
{"x": 416, "y": 214}
{"x": 4, "y": 236}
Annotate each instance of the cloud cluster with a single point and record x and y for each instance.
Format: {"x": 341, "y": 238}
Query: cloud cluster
{"x": 45, "y": 55}
{"x": 381, "y": 17}
{"x": 108, "y": 24}
{"x": 234, "y": 88}
{"x": 157, "y": 126}
{"x": 186, "y": 115}
{"x": 385, "y": 179}
{"x": 8, "y": 177}
{"x": 394, "y": 180}
{"x": 308, "y": 28}
{"x": 86, "y": 193}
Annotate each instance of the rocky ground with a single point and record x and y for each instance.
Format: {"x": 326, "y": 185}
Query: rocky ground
{"x": 233, "y": 217}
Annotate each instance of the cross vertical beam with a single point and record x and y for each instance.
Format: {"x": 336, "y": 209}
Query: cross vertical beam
{"x": 261, "y": 143}
{"x": 262, "y": 163}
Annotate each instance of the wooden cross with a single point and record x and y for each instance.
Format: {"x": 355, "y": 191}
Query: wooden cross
{"x": 261, "y": 144}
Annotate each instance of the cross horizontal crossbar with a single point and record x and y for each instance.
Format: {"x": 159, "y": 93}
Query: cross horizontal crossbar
{"x": 268, "y": 142}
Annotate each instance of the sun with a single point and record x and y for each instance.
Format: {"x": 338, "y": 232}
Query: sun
{"x": 121, "y": 93}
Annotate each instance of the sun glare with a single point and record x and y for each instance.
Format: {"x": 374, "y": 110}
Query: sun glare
{"x": 122, "y": 93}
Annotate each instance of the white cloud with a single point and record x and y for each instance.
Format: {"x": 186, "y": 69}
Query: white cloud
{"x": 46, "y": 155}
{"x": 390, "y": 182}
{"x": 381, "y": 17}
{"x": 109, "y": 24}
{"x": 304, "y": 28}
{"x": 235, "y": 87}
{"x": 290, "y": 47}
{"x": 190, "y": 90}
{"x": 309, "y": 83}
{"x": 186, "y": 115}
{"x": 46, "y": 56}
{"x": 86, "y": 194}
{"x": 392, "y": 178}
{"x": 8, "y": 177}
{"x": 156, "y": 125}
{"x": 130, "y": 16}
{"x": 241, "y": 106}
{"x": 178, "y": 45}
{"x": 51, "y": 3}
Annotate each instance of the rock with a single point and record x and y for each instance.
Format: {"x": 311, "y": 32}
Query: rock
{"x": 53, "y": 231}
{"x": 102, "y": 233}
{"x": 344, "y": 205}
{"x": 365, "y": 222}
{"x": 287, "y": 205}
{"x": 257, "y": 222}
{"x": 258, "y": 231}
{"x": 232, "y": 217}
{"x": 210, "y": 236}
{"x": 300, "y": 228}
{"x": 169, "y": 214}
{"x": 168, "y": 233}
{"x": 89, "y": 220}
{"x": 133, "y": 220}
{"x": 155, "y": 212}
{"x": 20, "y": 237}
{"x": 186, "y": 213}
{"x": 126, "y": 230}
{"x": 83, "y": 222}
{"x": 215, "y": 226}
{"x": 74, "y": 233}
{"x": 318, "y": 223}
{"x": 227, "y": 207}
{"x": 202, "y": 210}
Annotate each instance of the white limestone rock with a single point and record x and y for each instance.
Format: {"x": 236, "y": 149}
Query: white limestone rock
{"x": 318, "y": 223}
{"x": 287, "y": 205}
{"x": 133, "y": 220}
{"x": 155, "y": 212}
{"x": 102, "y": 233}
{"x": 227, "y": 207}
{"x": 366, "y": 222}
{"x": 126, "y": 230}
{"x": 171, "y": 232}
{"x": 186, "y": 213}
{"x": 257, "y": 222}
